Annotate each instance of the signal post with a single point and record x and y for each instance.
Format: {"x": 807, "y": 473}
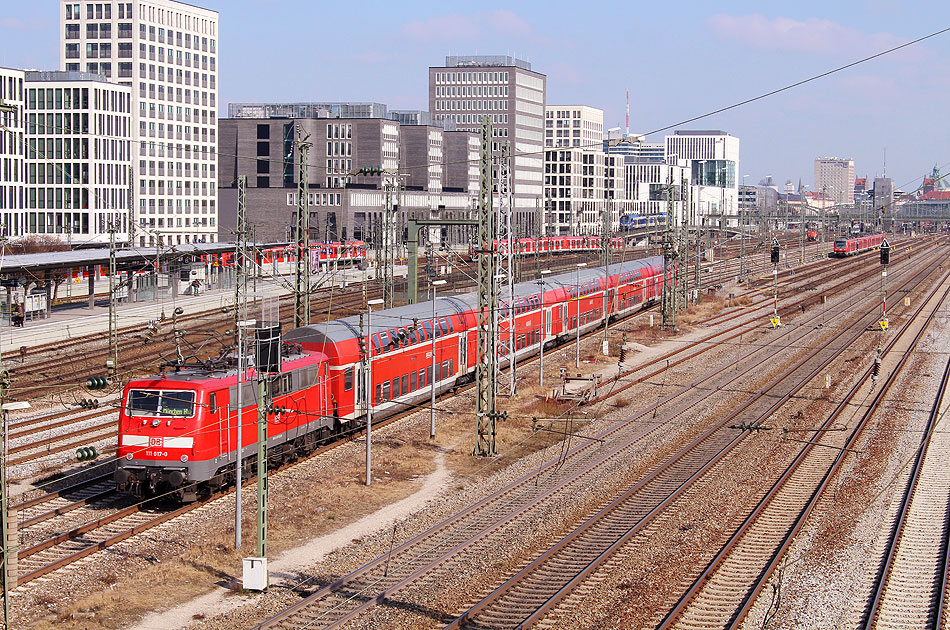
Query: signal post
{"x": 776, "y": 254}
{"x": 885, "y": 261}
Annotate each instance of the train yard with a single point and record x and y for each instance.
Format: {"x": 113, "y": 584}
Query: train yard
{"x": 709, "y": 482}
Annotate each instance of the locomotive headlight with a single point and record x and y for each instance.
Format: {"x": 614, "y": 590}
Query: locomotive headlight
{"x": 156, "y": 422}
{"x": 184, "y": 458}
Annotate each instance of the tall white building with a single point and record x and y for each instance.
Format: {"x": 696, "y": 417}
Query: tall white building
{"x": 166, "y": 51}
{"x": 11, "y": 153}
{"x": 573, "y": 126}
{"x": 580, "y": 180}
{"x": 834, "y": 178}
{"x": 712, "y": 157}
{"x": 78, "y": 157}
{"x": 470, "y": 87}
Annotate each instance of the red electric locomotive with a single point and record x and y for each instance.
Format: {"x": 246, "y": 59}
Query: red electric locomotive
{"x": 177, "y": 432}
{"x": 850, "y": 246}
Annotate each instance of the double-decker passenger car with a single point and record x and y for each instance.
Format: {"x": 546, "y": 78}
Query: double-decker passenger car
{"x": 178, "y": 431}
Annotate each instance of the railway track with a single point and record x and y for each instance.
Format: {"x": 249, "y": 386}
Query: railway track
{"x": 910, "y": 585}
{"x": 428, "y": 556}
{"x": 54, "y": 553}
{"x": 544, "y": 583}
{"x": 724, "y": 592}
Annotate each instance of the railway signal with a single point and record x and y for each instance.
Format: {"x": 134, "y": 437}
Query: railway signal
{"x": 97, "y": 382}
{"x": 885, "y": 260}
{"x": 86, "y": 453}
{"x": 776, "y": 252}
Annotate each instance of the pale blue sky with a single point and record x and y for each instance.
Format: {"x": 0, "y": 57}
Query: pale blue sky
{"x": 678, "y": 59}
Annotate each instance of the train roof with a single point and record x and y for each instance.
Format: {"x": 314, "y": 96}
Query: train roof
{"x": 349, "y": 327}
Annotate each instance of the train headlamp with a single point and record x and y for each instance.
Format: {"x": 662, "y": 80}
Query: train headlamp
{"x": 156, "y": 422}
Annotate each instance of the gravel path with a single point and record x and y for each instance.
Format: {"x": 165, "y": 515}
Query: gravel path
{"x": 285, "y": 569}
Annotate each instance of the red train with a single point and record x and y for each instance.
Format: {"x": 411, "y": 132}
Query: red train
{"x": 554, "y": 244}
{"x": 850, "y": 246}
{"x": 178, "y": 431}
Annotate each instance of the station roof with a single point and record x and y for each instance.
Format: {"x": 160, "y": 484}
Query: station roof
{"x": 20, "y": 264}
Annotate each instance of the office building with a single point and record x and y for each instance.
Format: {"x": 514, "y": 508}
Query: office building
{"x": 468, "y": 88}
{"x": 166, "y": 52}
{"x": 834, "y": 177}
{"x": 580, "y": 179}
{"x": 78, "y": 157}
{"x": 437, "y": 173}
{"x": 647, "y": 187}
{"x": 713, "y": 159}
{"x": 11, "y": 153}
{"x": 335, "y": 109}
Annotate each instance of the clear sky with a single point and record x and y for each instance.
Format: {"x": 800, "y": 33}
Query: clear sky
{"x": 678, "y": 59}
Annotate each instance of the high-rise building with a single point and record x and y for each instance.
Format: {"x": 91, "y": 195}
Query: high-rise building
{"x": 166, "y": 52}
{"x": 78, "y": 156}
{"x": 580, "y": 179}
{"x": 574, "y": 126}
{"x": 506, "y": 89}
{"x": 12, "y": 171}
{"x": 713, "y": 159}
{"x": 834, "y": 179}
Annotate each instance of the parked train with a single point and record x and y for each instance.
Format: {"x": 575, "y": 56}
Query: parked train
{"x": 351, "y": 252}
{"x": 850, "y": 246}
{"x": 178, "y": 430}
{"x": 637, "y": 221}
{"x": 553, "y": 244}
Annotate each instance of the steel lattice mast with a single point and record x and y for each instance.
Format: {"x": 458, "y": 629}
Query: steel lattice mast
{"x": 486, "y": 350}
{"x": 302, "y": 270}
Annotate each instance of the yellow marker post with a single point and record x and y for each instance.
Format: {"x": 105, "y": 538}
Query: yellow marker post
{"x": 776, "y": 321}
{"x": 883, "y": 323}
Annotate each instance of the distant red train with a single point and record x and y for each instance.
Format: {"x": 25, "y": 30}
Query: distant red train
{"x": 851, "y": 246}
{"x": 555, "y": 245}
{"x": 178, "y": 431}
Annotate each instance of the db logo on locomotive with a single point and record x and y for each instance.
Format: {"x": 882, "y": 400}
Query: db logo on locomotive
{"x": 156, "y": 441}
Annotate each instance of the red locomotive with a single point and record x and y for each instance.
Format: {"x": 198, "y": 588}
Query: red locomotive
{"x": 850, "y": 246}
{"x": 177, "y": 432}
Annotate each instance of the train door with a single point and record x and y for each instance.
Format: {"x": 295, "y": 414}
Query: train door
{"x": 463, "y": 353}
{"x": 359, "y": 393}
{"x": 218, "y": 418}
{"x": 547, "y": 323}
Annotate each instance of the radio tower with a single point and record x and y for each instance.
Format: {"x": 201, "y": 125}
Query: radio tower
{"x": 627, "y": 133}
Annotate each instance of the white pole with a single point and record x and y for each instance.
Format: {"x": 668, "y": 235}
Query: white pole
{"x": 369, "y": 387}
{"x": 543, "y": 331}
{"x": 435, "y": 284}
{"x": 577, "y": 278}
{"x": 369, "y": 407}
{"x": 239, "y": 403}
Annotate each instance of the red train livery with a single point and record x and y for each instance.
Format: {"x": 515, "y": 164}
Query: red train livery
{"x": 178, "y": 431}
{"x": 850, "y": 246}
{"x": 554, "y": 244}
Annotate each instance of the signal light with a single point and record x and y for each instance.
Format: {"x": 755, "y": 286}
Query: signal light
{"x": 86, "y": 453}
{"x": 885, "y": 253}
{"x": 775, "y": 253}
{"x": 89, "y": 404}
{"x": 370, "y": 170}
{"x": 97, "y": 382}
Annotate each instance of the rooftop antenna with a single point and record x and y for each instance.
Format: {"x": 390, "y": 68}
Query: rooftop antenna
{"x": 627, "y": 133}
{"x": 885, "y": 162}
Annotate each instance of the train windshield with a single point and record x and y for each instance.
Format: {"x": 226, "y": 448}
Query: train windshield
{"x": 841, "y": 243}
{"x": 153, "y": 402}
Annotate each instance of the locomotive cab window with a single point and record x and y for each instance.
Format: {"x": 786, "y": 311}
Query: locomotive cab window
{"x": 150, "y": 402}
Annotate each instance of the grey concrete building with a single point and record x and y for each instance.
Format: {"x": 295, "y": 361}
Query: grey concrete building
{"x": 333, "y": 109}
{"x": 343, "y": 205}
{"x": 506, "y": 89}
